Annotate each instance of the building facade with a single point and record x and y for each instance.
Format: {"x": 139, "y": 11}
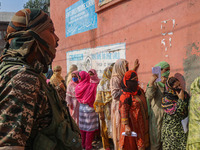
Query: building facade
{"x": 94, "y": 33}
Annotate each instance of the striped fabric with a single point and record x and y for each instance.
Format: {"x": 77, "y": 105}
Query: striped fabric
{"x": 88, "y": 118}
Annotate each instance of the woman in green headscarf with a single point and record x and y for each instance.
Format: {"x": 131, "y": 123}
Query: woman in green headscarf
{"x": 154, "y": 95}
{"x": 193, "y": 141}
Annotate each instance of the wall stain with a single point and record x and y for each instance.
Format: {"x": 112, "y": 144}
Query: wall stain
{"x": 191, "y": 63}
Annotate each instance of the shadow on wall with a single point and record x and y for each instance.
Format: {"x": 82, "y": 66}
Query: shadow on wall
{"x": 191, "y": 63}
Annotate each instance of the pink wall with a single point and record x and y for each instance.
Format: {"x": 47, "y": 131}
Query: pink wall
{"x": 138, "y": 24}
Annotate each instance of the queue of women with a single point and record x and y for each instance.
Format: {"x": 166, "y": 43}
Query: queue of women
{"x": 119, "y": 107}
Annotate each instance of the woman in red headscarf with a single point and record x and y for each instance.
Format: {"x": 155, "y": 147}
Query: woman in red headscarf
{"x": 134, "y": 114}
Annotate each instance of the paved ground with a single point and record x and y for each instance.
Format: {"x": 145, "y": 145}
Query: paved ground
{"x": 97, "y": 145}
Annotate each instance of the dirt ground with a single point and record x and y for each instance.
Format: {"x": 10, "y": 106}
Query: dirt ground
{"x": 97, "y": 144}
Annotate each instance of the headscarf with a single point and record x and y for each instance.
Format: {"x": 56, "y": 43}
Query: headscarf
{"x": 56, "y": 79}
{"x": 23, "y": 36}
{"x": 127, "y": 92}
{"x": 194, "y": 113}
{"x": 104, "y": 92}
{"x": 94, "y": 78}
{"x": 104, "y": 84}
{"x": 72, "y": 85}
{"x": 170, "y": 98}
{"x": 72, "y": 68}
{"x": 119, "y": 68}
{"x": 163, "y": 65}
{"x": 127, "y": 77}
{"x": 85, "y": 91}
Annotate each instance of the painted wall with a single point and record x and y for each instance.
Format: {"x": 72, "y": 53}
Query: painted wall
{"x": 153, "y": 30}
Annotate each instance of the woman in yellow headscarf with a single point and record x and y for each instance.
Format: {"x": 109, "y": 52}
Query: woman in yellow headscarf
{"x": 58, "y": 82}
{"x": 102, "y": 105}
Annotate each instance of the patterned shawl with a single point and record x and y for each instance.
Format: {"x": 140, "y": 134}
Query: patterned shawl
{"x": 104, "y": 84}
{"x": 194, "y": 114}
{"x": 23, "y": 36}
{"x": 169, "y": 101}
{"x": 103, "y": 89}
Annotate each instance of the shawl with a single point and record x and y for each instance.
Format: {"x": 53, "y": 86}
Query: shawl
{"x": 126, "y": 91}
{"x": 23, "y": 36}
{"x": 104, "y": 84}
{"x": 169, "y": 101}
{"x": 85, "y": 91}
{"x": 194, "y": 113}
{"x": 119, "y": 69}
{"x": 94, "y": 78}
{"x": 104, "y": 87}
{"x": 69, "y": 75}
{"x": 56, "y": 78}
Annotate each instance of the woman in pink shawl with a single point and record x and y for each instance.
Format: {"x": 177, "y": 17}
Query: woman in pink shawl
{"x": 88, "y": 119}
{"x": 71, "y": 100}
{"x": 93, "y": 76}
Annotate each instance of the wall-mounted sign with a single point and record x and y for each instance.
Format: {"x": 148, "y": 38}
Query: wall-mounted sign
{"x": 80, "y": 17}
{"x": 96, "y": 58}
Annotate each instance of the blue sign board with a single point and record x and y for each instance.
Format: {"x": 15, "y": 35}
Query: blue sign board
{"x": 80, "y": 17}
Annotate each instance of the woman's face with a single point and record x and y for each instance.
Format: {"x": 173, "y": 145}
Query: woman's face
{"x": 164, "y": 79}
{"x": 177, "y": 86}
{"x": 74, "y": 75}
{"x": 165, "y": 69}
{"x": 91, "y": 73}
{"x": 132, "y": 84}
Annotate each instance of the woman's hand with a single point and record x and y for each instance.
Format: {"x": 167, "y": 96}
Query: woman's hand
{"x": 127, "y": 130}
{"x": 180, "y": 95}
{"x": 62, "y": 86}
{"x": 136, "y": 65}
{"x": 153, "y": 79}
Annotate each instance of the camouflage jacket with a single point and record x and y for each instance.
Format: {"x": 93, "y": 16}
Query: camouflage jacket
{"x": 24, "y": 107}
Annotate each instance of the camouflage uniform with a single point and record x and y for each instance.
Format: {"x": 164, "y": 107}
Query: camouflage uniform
{"x": 31, "y": 113}
{"x": 23, "y": 105}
